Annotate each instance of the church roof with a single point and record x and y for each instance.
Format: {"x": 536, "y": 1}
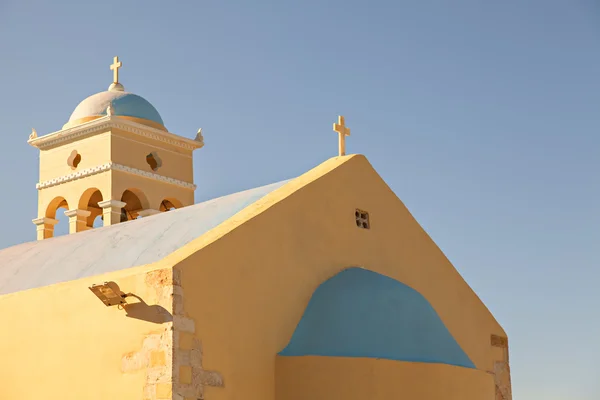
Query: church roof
{"x": 134, "y": 243}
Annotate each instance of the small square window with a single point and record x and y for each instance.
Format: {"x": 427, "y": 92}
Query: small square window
{"x": 499, "y": 341}
{"x": 362, "y": 219}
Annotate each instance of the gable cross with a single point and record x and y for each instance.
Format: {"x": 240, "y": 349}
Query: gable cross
{"x": 342, "y": 131}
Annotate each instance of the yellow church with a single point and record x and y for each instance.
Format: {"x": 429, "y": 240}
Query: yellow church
{"x": 320, "y": 287}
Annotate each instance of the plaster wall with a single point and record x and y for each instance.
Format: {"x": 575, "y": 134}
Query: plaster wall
{"x": 61, "y": 342}
{"x": 247, "y": 291}
{"x": 326, "y": 378}
{"x": 94, "y": 151}
{"x": 131, "y": 150}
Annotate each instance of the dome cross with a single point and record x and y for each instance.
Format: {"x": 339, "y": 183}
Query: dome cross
{"x": 115, "y": 68}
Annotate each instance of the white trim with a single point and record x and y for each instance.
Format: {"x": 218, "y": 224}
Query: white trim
{"x": 108, "y": 122}
{"x": 110, "y": 166}
{"x": 158, "y": 148}
{"x": 77, "y": 212}
{"x": 44, "y": 220}
{"x": 111, "y": 204}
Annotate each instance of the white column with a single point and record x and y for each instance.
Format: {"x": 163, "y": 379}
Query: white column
{"x": 111, "y": 211}
{"x": 78, "y": 220}
{"x": 44, "y": 227}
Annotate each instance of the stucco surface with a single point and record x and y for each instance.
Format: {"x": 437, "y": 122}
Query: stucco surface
{"x": 116, "y": 247}
{"x": 247, "y": 302}
{"x": 326, "y": 378}
{"x": 61, "y": 342}
{"x": 360, "y": 313}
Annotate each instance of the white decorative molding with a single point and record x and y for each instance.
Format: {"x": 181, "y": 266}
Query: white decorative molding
{"x": 44, "y": 221}
{"x": 110, "y": 166}
{"x": 75, "y": 175}
{"x": 108, "y": 122}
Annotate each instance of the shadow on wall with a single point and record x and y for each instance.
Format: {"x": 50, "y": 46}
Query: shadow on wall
{"x": 110, "y": 294}
{"x": 140, "y": 310}
{"x": 360, "y": 313}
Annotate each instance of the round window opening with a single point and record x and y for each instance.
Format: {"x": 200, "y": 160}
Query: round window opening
{"x": 74, "y": 159}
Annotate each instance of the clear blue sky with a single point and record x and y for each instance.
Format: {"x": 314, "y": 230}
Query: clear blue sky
{"x": 483, "y": 116}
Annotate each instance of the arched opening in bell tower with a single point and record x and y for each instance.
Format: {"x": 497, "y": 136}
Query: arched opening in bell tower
{"x": 135, "y": 201}
{"x": 52, "y": 211}
{"x": 170, "y": 204}
{"x": 89, "y": 201}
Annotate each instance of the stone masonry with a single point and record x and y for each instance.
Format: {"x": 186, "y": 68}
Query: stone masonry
{"x": 501, "y": 369}
{"x": 172, "y": 356}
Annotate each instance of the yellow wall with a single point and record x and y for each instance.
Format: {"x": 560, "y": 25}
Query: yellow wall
{"x": 131, "y": 150}
{"x": 61, "y": 342}
{"x": 327, "y": 378}
{"x": 94, "y": 151}
{"x": 119, "y": 147}
{"x": 247, "y": 291}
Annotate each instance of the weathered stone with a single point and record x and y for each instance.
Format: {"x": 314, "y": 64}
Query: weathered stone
{"x": 172, "y": 358}
{"x": 210, "y": 378}
{"x": 184, "y": 357}
{"x": 134, "y": 362}
{"x": 150, "y": 391}
{"x": 164, "y": 391}
{"x": 176, "y": 277}
{"x": 158, "y": 374}
{"x": 161, "y": 277}
{"x": 186, "y": 390}
{"x": 152, "y": 342}
{"x": 177, "y": 304}
{"x": 196, "y": 358}
{"x": 183, "y": 324}
{"x": 502, "y": 381}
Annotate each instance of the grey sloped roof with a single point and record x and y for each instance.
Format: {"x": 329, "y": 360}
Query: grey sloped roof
{"x": 117, "y": 247}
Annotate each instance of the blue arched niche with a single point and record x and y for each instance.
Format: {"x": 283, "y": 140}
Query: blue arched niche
{"x": 360, "y": 313}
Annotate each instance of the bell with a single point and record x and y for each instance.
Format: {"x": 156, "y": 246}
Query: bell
{"x": 124, "y": 215}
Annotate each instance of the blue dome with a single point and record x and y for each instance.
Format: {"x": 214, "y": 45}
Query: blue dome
{"x": 360, "y": 313}
{"x": 124, "y": 104}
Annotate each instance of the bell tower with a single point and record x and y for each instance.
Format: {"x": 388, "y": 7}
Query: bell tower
{"x": 113, "y": 159}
